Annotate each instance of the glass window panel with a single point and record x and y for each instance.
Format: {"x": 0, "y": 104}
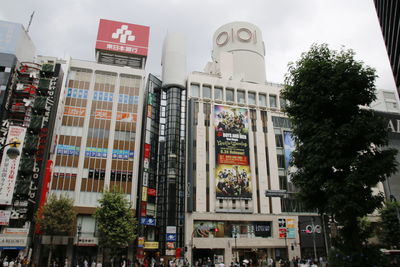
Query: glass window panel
{"x": 252, "y": 98}
{"x": 241, "y": 97}
{"x": 195, "y": 90}
{"x": 282, "y": 102}
{"x": 230, "y": 95}
{"x": 218, "y": 93}
{"x": 206, "y": 91}
{"x": 262, "y": 100}
{"x": 272, "y": 101}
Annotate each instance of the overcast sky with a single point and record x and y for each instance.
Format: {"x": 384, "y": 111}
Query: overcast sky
{"x": 289, "y": 27}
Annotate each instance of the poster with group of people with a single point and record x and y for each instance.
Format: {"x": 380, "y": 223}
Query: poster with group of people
{"x": 233, "y": 175}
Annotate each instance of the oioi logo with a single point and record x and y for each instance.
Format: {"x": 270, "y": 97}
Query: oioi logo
{"x": 313, "y": 228}
{"x": 123, "y": 33}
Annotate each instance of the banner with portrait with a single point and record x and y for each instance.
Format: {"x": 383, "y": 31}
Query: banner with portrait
{"x": 232, "y": 170}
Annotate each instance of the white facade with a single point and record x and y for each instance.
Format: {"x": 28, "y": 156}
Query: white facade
{"x": 263, "y": 101}
{"x": 15, "y": 40}
{"x": 387, "y": 101}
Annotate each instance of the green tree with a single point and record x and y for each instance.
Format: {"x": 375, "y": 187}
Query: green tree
{"x": 389, "y": 226}
{"x": 116, "y": 222}
{"x": 56, "y": 217}
{"x": 339, "y": 156}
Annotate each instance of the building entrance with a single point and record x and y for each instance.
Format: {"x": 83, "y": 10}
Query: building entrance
{"x": 203, "y": 257}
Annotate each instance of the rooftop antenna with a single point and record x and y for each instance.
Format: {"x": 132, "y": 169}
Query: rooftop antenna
{"x": 30, "y": 21}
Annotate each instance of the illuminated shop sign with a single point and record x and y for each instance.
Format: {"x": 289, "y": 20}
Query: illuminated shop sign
{"x": 233, "y": 175}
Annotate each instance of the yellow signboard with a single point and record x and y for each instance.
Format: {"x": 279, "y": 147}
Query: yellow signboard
{"x": 151, "y": 245}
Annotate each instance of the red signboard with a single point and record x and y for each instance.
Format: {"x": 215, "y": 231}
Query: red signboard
{"x": 151, "y": 192}
{"x": 123, "y": 37}
{"x": 146, "y": 151}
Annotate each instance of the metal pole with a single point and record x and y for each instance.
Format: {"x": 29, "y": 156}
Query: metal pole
{"x": 313, "y": 239}
{"x": 325, "y": 237}
{"x": 236, "y": 256}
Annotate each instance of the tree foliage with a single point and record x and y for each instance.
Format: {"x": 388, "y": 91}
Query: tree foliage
{"x": 57, "y": 216}
{"x": 389, "y": 226}
{"x": 116, "y": 222}
{"x": 339, "y": 155}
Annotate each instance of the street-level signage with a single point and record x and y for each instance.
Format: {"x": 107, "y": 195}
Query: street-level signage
{"x": 171, "y": 237}
{"x": 151, "y": 245}
{"x": 140, "y": 242}
{"x": 7, "y": 241}
{"x": 148, "y": 221}
{"x": 262, "y": 229}
{"x": 5, "y": 217}
{"x": 275, "y": 193}
{"x": 123, "y": 37}
{"x": 15, "y": 231}
{"x": 87, "y": 241}
{"x": 171, "y": 229}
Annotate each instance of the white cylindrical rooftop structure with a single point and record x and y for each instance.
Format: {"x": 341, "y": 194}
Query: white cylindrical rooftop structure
{"x": 244, "y": 42}
{"x": 174, "y": 61}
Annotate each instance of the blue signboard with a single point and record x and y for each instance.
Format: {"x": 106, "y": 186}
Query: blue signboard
{"x": 77, "y": 93}
{"x": 147, "y": 221}
{"x": 171, "y": 237}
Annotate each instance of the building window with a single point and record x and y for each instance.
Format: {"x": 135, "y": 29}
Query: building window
{"x": 283, "y": 184}
{"x": 279, "y": 140}
{"x": 272, "y": 101}
{"x": 262, "y": 100}
{"x": 195, "y": 90}
{"x": 241, "y": 97}
{"x": 282, "y": 102}
{"x": 218, "y": 93}
{"x": 230, "y": 95}
{"x": 206, "y": 91}
{"x": 252, "y": 98}
{"x": 281, "y": 161}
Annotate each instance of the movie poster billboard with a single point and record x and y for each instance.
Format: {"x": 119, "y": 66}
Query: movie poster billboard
{"x": 232, "y": 169}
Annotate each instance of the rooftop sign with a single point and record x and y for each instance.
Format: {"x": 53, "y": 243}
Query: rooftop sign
{"x": 122, "y": 37}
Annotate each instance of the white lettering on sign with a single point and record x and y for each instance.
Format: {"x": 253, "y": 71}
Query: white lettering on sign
{"x": 391, "y": 126}
{"x": 243, "y": 35}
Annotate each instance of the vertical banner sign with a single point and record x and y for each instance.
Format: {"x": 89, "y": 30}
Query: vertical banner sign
{"x": 45, "y": 191}
{"x": 289, "y": 147}
{"x": 9, "y": 167}
{"x": 232, "y": 170}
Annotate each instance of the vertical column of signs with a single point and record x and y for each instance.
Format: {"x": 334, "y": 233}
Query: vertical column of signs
{"x": 147, "y": 207}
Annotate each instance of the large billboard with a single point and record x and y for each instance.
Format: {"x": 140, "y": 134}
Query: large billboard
{"x": 122, "y": 37}
{"x": 232, "y": 170}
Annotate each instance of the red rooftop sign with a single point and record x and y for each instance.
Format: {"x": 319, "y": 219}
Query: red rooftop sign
{"x": 123, "y": 37}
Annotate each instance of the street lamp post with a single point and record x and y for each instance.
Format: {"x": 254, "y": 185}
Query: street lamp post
{"x": 13, "y": 151}
{"x": 235, "y": 236}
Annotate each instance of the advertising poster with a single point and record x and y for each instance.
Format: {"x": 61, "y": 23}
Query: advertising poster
{"x": 289, "y": 147}
{"x": 205, "y": 229}
{"x": 232, "y": 170}
{"x": 9, "y": 167}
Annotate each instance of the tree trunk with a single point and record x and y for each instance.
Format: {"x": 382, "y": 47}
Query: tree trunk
{"x": 50, "y": 252}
